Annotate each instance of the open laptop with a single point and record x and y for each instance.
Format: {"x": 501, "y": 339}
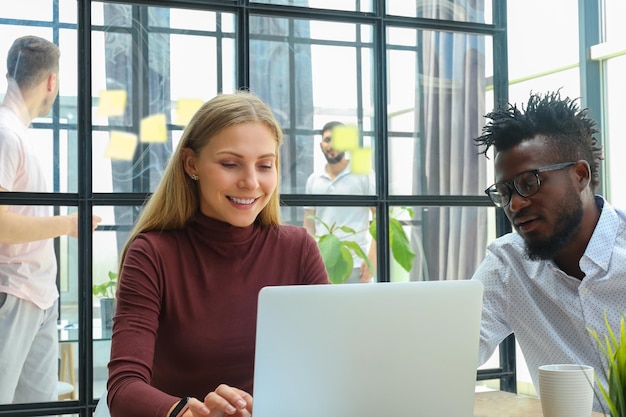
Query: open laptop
{"x": 367, "y": 350}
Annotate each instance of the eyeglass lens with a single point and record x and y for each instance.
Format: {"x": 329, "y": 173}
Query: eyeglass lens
{"x": 527, "y": 184}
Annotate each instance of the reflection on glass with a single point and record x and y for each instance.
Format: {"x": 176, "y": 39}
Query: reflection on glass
{"x": 143, "y": 82}
{"x": 326, "y": 82}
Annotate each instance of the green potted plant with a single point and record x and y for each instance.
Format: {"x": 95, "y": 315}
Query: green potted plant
{"x": 337, "y": 251}
{"x": 105, "y": 291}
{"x": 613, "y": 349}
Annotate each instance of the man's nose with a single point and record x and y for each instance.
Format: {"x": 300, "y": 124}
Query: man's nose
{"x": 517, "y": 202}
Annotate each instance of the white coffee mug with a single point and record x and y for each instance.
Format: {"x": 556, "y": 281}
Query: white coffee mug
{"x": 566, "y": 390}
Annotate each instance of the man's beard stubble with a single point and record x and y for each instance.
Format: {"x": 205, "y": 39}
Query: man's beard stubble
{"x": 570, "y": 217}
{"x": 336, "y": 159}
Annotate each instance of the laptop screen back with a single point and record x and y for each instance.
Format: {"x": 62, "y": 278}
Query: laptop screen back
{"x": 384, "y": 349}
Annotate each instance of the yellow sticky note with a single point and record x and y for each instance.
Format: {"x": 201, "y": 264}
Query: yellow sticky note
{"x": 122, "y": 145}
{"x": 153, "y": 128}
{"x": 361, "y": 160}
{"x": 112, "y": 103}
{"x": 345, "y": 138}
{"x": 185, "y": 109}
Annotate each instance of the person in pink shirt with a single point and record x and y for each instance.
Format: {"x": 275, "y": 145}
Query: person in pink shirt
{"x": 28, "y": 292}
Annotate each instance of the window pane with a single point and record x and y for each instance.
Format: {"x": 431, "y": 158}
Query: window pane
{"x": 448, "y": 242}
{"x": 313, "y": 82}
{"x": 567, "y": 80}
{"x": 616, "y": 130}
{"x": 559, "y": 48}
{"x": 467, "y": 10}
{"x": 56, "y": 271}
{"x": 29, "y": 10}
{"x": 342, "y": 230}
{"x": 614, "y": 20}
{"x": 108, "y": 242}
{"x": 437, "y": 94}
{"x": 350, "y": 5}
{"x": 146, "y": 87}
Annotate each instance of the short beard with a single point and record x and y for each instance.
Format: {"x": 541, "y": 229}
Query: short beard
{"x": 336, "y": 159}
{"x": 570, "y": 217}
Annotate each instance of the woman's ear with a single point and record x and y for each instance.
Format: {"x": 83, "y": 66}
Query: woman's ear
{"x": 189, "y": 161}
{"x": 583, "y": 174}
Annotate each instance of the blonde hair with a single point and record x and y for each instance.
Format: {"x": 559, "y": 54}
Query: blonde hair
{"x": 176, "y": 198}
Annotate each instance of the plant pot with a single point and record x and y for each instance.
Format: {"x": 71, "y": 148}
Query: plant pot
{"x": 107, "y": 311}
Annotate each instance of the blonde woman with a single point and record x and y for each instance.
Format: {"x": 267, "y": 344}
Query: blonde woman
{"x": 205, "y": 244}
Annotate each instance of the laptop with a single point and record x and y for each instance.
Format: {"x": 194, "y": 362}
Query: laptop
{"x": 367, "y": 350}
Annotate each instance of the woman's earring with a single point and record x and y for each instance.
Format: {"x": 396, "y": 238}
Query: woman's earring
{"x": 194, "y": 177}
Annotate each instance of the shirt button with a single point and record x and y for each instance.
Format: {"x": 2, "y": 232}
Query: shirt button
{"x": 584, "y": 291}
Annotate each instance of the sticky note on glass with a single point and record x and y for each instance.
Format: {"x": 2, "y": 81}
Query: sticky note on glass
{"x": 345, "y": 138}
{"x": 121, "y": 145}
{"x": 153, "y": 128}
{"x": 112, "y": 103}
{"x": 361, "y": 160}
{"x": 185, "y": 109}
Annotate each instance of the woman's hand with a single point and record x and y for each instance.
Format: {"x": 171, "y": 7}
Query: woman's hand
{"x": 224, "y": 401}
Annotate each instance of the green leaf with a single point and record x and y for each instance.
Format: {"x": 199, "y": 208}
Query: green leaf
{"x": 400, "y": 245}
{"x": 614, "y": 351}
{"x": 347, "y": 230}
{"x": 337, "y": 258}
{"x": 329, "y": 247}
{"x": 107, "y": 288}
{"x": 356, "y": 248}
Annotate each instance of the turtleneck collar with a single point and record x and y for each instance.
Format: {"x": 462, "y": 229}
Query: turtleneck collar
{"x": 219, "y": 231}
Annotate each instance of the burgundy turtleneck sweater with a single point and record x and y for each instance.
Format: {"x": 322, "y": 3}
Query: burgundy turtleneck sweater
{"x": 186, "y": 309}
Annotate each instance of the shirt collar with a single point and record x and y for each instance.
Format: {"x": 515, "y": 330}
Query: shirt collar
{"x": 603, "y": 237}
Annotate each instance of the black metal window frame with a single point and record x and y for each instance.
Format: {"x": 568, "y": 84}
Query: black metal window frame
{"x": 85, "y": 199}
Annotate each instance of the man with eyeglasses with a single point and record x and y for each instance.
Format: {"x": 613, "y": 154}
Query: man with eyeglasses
{"x": 565, "y": 266}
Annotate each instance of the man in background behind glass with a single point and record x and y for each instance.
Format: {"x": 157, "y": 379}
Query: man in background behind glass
{"x": 28, "y": 292}
{"x": 337, "y": 178}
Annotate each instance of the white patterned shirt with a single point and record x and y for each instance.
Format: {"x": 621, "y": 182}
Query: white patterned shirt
{"x": 549, "y": 311}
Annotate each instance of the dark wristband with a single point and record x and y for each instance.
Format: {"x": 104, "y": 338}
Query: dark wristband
{"x": 180, "y": 408}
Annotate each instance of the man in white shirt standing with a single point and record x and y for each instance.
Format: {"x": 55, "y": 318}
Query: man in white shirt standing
{"x": 337, "y": 178}
{"x": 566, "y": 266}
{"x": 28, "y": 292}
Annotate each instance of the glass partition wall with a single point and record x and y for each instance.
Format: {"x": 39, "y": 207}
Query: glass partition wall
{"x": 410, "y": 80}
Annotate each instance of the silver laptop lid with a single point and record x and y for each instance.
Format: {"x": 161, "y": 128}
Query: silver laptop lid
{"x": 398, "y": 349}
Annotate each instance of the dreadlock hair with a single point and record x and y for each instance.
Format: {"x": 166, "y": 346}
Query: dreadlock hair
{"x": 568, "y": 130}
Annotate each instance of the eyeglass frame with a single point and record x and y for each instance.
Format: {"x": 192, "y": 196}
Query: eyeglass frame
{"x": 512, "y": 185}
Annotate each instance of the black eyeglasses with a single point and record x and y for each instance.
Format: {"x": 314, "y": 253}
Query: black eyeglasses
{"x": 526, "y": 184}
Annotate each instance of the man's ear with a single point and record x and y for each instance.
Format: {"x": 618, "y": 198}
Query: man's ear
{"x": 583, "y": 174}
{"x": 52, "y": 82}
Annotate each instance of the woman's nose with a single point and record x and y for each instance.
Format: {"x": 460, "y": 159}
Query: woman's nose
{"x": 249, "y": 179}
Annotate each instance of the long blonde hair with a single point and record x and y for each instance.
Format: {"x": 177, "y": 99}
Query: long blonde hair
{"x": 176, "y": 198}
